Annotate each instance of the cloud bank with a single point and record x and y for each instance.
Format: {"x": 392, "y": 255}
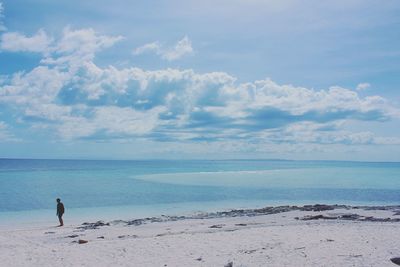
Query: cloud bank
{"x": 68, "y": 94}
{"x": 182, "y": 48}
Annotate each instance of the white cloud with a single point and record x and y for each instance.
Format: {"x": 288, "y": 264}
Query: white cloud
{"x": 307, "y": 132}
{"x": 78, "y": 46}
{"x": 17, "y": 42}
{"x": 182, "y": 47}
{"x": 150, "y": 47}
{"x": 362, "y": 86}
{"x": 74, "y": 46}
{"x": 72, "y": 96}
{"x": 112, "y": 121}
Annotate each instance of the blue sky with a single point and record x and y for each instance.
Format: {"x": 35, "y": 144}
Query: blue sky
{"x": 200, "y": 79}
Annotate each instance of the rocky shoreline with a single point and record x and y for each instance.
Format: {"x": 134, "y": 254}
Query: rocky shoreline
{"x": 262, "y": 211}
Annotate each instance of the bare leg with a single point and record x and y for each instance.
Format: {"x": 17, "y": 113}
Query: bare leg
{"x": 61, "y": 220}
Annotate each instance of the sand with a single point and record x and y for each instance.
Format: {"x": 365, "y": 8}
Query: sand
{"x": 281, "y": 239}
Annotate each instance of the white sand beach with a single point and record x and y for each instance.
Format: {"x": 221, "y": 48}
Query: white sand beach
{"x": 369, "y": 238}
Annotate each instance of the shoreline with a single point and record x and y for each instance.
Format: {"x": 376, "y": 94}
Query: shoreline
{"x": 262, "y": 212}
{"x": 310, "y": 235}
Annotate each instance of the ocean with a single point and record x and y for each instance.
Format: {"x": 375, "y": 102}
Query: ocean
{"x": 118, "y": 189}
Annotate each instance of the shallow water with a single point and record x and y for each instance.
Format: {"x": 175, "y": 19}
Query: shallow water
{"x": 127, "y": 189}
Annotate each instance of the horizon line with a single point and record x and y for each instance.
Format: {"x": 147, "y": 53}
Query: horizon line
{"x": 200, "y": 159}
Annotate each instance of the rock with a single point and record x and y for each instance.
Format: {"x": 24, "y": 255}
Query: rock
{"x": 199, "y": 259}
{"x": 317, "y": 207}
{"x": 81, "y": 241}
{"x": 312, "y": 217}
{"x": 241, "y": 224}
{"x": 71, "y": 236}
{"x": 125, "y": 236}
{"x": 217, "y": 226}
{"x": 100, "y": 237}
{"x": 396, "y": 260}
{"x": 350, "y": 216}
{"x": 136, "y": 222}
{"x": 229, "y": 264}
{"x": 96, "y": 225}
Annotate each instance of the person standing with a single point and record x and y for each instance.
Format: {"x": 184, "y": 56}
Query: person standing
{"x": 60, "y": 211}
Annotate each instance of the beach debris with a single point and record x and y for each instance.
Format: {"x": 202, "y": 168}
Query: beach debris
{"x": 229, "y": 264}
{"x": 352, "y": 216}
{"x": 348, "y": 217}
{"x": 47, "y": 233}
{"x": 351, "y": 255}
{"x": 125, "y": 236}
{"x": 71, "y": 236}
{"x": 317, "y": 217}
{"x": 91, "y": 226}
{"x": 217, "y": 226}
{"x": 395, "y": 260}
{"x": 100, "y": 237}
{"x": 250, "y": 251}
{"x": 199, "y": 259}
{"x": 80, "y": 241}
{"x": 256, "y": 212}
{"x": 317, "y": 207}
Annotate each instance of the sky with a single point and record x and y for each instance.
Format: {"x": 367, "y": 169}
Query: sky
{"x": 178, "y": 79}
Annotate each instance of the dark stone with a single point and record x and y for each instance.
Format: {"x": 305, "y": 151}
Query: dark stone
{"x": 396, "y": 260}
{"x": 81, "y": 241}
{"x": 71, "y": 236}
{"x": 125, "y": 236}
{"x": 91, "y": 226}
{"x": 312, "y": 217}
{"x": 217, "y": 226}
{"x": 317, "y": 207}
{"x": 349, "y": 216}
{"x": 229, "y": 264}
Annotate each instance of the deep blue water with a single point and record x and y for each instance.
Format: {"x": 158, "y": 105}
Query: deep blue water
{"x": 28, "y": 185}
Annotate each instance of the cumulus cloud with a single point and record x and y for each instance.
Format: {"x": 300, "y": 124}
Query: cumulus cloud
{"x": 17, "y": 42}
{"x": 182, "y": 47}
{"x": 78, "y": 46}
{"x": 74, "y": 46}
{"x": 71, "y": 95}
{"x": 362, "y": 86}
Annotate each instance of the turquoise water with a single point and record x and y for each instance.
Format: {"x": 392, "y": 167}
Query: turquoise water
{"x": 122, "y": 189}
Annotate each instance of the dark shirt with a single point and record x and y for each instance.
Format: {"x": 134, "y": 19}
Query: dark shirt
{"x": 60, "y": 209}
